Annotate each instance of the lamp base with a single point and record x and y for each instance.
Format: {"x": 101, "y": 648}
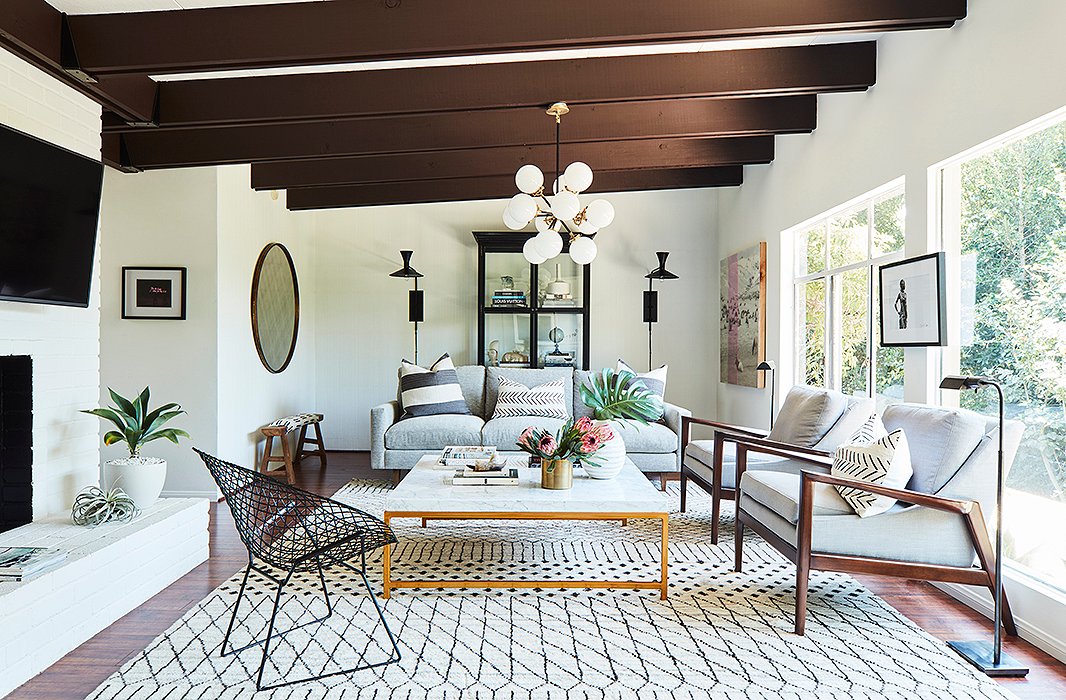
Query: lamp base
{"x": 981, "y": 655}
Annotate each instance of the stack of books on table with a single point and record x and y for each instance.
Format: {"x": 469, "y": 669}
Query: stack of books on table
{"x": 564, "y": 359}
{"x": 466, "y": 456}
{"x": 509, "y": 297}
{"x": 21, "y": 563}
{"x": 558, "y": 300}
{"x": 469, "y": 477}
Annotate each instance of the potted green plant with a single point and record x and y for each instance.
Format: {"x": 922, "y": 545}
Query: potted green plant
{"x": 617, "y": 396}
{"x": 140, "y": 477}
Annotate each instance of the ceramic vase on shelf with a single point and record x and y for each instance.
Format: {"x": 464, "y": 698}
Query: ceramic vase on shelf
{"x": 142, "y": 478}
{"x": 610, "y": 458}
{"x": 557, "y": 474}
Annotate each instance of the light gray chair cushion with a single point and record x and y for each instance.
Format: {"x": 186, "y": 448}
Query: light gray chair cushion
{"x": 807, "y": 415}
{"x": 531, "y": 378}
{"x": 654, "y": 437}
{"x": 699, "y": 458}
{"x": 434, "y": 432}
{"x": 779, "y": 491}
{"x": 858, "y": 411}
{"x": 905, "y": 533}
{"x": 472, "y": 382}
{"x": 941, "y": 440}
{"x": 503, "y": 432}
{"x": 581, "y": 376}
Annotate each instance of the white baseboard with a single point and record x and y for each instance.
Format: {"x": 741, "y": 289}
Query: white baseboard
{"x": 1028, "y": 601}
{"x": 211, "y": 495}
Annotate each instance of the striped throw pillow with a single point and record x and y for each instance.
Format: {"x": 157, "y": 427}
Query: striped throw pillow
{"x": 886, "y": 462}
{"x": 654, "y": 380}
{"x": 433, "y": 391}
{"x": 870, "y": 431}
{"x": 518, "y": 400}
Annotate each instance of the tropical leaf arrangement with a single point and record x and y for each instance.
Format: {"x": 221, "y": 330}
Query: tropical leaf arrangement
{"x": 136, "y": 425}
{"x": 618, "y": 395}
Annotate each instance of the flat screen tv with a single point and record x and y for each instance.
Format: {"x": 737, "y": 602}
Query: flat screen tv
{"x": 49, "y": 207}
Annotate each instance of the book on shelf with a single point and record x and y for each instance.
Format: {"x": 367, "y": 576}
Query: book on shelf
{"x": 558, "y": 302}
{"x": 20, "y": 563}
{"x": 461, "y": 456}
{"x": 507, "y": 477}
{"x": 513, "y": 364}
{"x": 508, "y": 293}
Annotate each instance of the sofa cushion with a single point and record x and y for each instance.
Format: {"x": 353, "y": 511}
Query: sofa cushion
{"x": 434, "y": 432}
{"x": 472, "y": 382}
{"x": 886, "y": 462}
{"x": 433, "y": 391}
{"x": 807, "y": 415}
{"x": 940, "y": 440}
{"x": 503, "y": 432}
{"x": 582, "y": 376}
{"x": 515, "y": 400}
{"x": 856, "y": 414}
{"x": 779, "y": 491}
{"x": 653, "y": 438}
{"x": 529, "y": 377}
{"x": 654, "y": 381}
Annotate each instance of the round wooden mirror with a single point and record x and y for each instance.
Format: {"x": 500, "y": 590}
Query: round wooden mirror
{"x": 275, "y": 307}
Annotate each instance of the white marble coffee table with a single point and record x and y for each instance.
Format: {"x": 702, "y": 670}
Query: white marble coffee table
{"x": 427, "y": 493}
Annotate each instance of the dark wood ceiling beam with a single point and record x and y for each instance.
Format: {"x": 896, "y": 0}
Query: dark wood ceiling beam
{"x": 326, "y": 96}
{"x": 696, "y": 118}
{"x": 36, "y": 32}
{"x": 500, "y": 187}
{"x": 648, "y": 154}
{"x": 346, "y": 31}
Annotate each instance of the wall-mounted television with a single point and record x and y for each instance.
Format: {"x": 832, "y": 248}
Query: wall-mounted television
{"x": 49, "y": 210}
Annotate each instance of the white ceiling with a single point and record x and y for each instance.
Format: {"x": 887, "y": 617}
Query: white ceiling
{"x": 92, "y": 7}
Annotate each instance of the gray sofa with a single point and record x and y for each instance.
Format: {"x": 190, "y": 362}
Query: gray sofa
{"x": 398, "y": 444}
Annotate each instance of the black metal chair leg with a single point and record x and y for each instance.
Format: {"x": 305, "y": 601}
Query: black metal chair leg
{"x": 381, "y": 616}
{"x": 236, "y": 605}
{"x": 270, "y": 631}
{"x": 325, "y": 590}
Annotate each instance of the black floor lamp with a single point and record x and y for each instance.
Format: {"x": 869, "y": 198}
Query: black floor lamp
{"x": 989, "y": 658}
{"x": 415, "y": 303}
{"x": 771, "y": 367}
{"x": 651, "y": 297}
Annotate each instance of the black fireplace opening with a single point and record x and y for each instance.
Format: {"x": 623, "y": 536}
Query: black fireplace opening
{"x": 16, "y": 441}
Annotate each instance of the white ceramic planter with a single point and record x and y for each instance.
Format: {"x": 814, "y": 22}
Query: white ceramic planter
{"x": 612, "y": 457}
{"x": 141, "y": 478}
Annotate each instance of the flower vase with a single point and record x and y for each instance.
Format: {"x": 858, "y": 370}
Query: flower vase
{"x": 610, "y": 458}
{"x": 557, "y": 474}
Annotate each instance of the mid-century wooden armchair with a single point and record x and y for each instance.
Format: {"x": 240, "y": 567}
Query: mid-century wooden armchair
{"x": 935, "y": 532}
{"x": 812, "y": 421}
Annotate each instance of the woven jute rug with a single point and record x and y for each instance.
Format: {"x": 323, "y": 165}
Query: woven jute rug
{"x": 719, "y": 634}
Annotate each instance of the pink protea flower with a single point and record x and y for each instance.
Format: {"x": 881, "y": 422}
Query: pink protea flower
{"x": 590, "y": 443}
{"x": 604, "y": 432}
{"x": 583, "y": 424}
{"x": 526, "y": 438}
{"x": 547, "y": 444}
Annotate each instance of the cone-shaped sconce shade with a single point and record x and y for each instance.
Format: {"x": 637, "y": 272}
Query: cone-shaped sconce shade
{"x": 661, "y": 273}
{"x": 406, "y": 270}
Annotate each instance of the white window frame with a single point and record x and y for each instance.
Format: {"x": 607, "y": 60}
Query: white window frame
{"x": 831, "y": 275}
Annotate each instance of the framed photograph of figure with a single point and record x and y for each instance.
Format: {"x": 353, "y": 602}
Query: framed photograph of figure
{"x": 153, "y": 293}
{"x": 742, "y": 316}
{"x": 912, "y": 299}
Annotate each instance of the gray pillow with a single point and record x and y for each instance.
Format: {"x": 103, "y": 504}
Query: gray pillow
{"x": 807, "y": 415}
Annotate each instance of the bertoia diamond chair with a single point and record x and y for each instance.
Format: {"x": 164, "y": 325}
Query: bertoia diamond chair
{"x": 292, "y": 531}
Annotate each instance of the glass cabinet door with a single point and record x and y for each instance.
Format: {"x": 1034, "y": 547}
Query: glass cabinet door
{"x": 560, "y": 283}
{"x": 560, "y": 339}
{"x": 507, "y": 281}
{"x": 507, "y": 342}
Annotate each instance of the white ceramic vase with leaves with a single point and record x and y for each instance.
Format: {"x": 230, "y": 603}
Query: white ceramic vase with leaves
{"x": 617, "y": 396}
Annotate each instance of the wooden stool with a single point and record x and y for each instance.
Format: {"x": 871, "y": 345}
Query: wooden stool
{"x": 280, "y": 429}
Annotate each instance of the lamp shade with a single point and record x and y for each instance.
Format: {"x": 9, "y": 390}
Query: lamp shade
{"x": 578, "y": 176}
{"x": 766, "y": 366}
{"x": 583, "y": 250}
{"x": 406, "y": 270}
{"x": 529, "y": 179}
{"x": 548, "y": 244}
{"x": 530, "y": 252}
{"x": 957, "y": 383}
{"x": 661, "y": 273}
{"x": 565, "y": 205}
{"x": 512, "y": 223}
{"x": 522, "y": 207}
{"x": 600, "y": 213}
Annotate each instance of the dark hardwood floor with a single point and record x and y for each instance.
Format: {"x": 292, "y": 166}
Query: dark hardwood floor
{"x": 78, "y": 673}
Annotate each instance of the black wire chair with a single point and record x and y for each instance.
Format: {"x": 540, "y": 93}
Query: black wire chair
{"x": 295, "y": 531}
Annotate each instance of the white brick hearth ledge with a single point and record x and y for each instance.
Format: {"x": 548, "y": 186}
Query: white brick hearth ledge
{"x": 109, "y": 571}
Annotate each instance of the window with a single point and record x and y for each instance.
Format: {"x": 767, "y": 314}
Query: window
{"x": 837, "y": 256}
{"x": 1003, "y": 219}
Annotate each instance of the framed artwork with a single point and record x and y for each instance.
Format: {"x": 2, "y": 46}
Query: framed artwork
{"x": 912, "y": 302}
{"x": 743, "y": 316}
{"x": 153, "y": 293}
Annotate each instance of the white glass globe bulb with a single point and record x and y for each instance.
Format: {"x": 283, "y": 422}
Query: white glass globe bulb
{"x": 600, "y": 213}
{"x": 529, "y": 179}
{"x": 565, "y": 205}
{"x": 529, "y": 250}
{"x": 549, "y": 244}
{"x": 587, "y": 228}
{"x": 522, "y": 207}
{"x": 512, "y": 223}
{"x": 560, "y": 184}
{"x": 578, "y": 176}
{"x": 583, "y": 250}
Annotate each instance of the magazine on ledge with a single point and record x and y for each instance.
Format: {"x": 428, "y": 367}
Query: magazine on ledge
{"x": 18, "y": 563}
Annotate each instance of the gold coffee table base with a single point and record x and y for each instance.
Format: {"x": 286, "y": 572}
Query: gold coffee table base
{"x": 660, "y": 585}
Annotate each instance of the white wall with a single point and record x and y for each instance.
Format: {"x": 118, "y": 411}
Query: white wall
{"x": 164, "y": 219}
{"x": 937, "y": 94}
{"x": 248, "y": 395}
{"x": 63, "y": 342}
{"x": 363, "y": 330}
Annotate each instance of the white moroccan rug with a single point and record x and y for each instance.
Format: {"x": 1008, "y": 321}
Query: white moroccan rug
{"x": 719, "y": 635}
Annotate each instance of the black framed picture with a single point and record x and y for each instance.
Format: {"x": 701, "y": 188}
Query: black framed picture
{"x": 153, "y": 293}
{"x": 913, "y": 302}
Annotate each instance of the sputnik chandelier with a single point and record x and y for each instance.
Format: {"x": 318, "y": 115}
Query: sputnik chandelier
{"x": 561, "y": 214}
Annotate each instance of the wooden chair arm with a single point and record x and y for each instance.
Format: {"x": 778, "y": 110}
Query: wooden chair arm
{"x": 688, "y": 421}
{"x": 759, "y": 444}
{"x": 927, "y": 500}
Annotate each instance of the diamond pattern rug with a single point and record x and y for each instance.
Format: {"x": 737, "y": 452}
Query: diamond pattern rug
{"x": 719, "y": 635}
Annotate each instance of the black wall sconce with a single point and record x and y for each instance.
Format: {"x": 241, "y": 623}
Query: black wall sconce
{"x": 651, "y": 298}
{"x": 416, "y": 297}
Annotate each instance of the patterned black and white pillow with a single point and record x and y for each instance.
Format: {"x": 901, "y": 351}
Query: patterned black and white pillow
{"x": 869, "y": 432}
{"x": 886, "y": 462}
{"x": 654, "y": 380}
{"x": 433, "y": 391}
{"x": 515, "y": 400}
